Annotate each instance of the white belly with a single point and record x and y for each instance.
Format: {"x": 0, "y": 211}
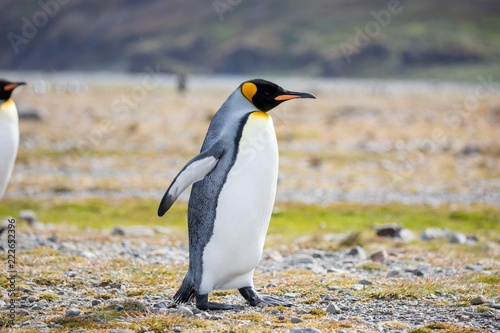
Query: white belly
{"x": 9, "y": 141}
{"x": 244, "y": 209}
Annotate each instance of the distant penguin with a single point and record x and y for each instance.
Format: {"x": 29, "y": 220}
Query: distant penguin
{"x": 234, "y": 186}
{"x": 9, "y": 132}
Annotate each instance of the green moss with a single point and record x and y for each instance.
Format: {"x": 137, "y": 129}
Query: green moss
{"x": 50, "y": 297}
{"x": 317, "y": 312}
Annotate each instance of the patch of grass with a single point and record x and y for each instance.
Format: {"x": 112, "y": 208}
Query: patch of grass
{"x": 446, "y": 328}
{"x": 104, "y": 296}
{"x": 50, "y": 297}
{"x": 317, "y": 312}
{"x": 489, "y": 279}
{"x": 395, "y": 325}
{"x": 292, "y": 220}
{"x": 373, "y": 266}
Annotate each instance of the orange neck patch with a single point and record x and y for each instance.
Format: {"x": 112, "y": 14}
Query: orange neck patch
{"x": 260, "y": 114}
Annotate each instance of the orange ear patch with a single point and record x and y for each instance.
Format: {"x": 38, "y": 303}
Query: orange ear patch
{"x": 249, "y": 89}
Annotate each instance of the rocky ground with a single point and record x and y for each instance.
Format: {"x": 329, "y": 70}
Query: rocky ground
{"x": 125, "y": 278}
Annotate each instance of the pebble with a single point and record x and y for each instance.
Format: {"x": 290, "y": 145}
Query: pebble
{"x": 304, "y": 330}
{"x": 379, "y": 255}
{"x": 72, "y": 312}
{"x": 292, "y": 295}
{"x": 296, "y": 320}
{"x": 458, "y": 238}
{"x": 32, "y": 299}
{"x": 478, "y": 300}
{"x": 357, "y": 252}
{"x": 133, "y": 231}
{"x": 333, "y": 308}
{"x": 434, "y": 233}
{"x": 119, "y": 307}
{"x": 365, "y": 282}
{"x": 96, "y": 302}
{"x": 28, "y": 216}
{"x": 389, "y": 230}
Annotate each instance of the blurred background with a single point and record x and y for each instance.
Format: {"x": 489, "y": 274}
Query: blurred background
{"x": 120, "y": 94}
{"x": 343, "y": 38}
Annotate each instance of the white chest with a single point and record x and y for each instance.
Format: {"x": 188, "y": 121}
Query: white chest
{"x": 244, "y": 208}
{"x": 9, "y": 141}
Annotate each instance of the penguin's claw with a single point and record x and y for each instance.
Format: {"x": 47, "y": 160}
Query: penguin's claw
{"x": 254, "y": 299}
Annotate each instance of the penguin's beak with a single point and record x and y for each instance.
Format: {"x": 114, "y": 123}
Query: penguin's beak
{"x": 293, "y": 94}
{"x": 13, "y": 86}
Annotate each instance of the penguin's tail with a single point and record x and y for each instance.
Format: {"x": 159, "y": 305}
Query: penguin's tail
{"x": 186, "y": 291}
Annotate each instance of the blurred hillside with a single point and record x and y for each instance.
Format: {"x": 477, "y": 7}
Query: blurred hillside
{"x": 449, "y": 39}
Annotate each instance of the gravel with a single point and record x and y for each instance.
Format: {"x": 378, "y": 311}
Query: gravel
{"x": 338, "y": 301}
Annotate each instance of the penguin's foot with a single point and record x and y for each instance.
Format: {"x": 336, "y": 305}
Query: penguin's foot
{"x": 254, "y": 299}
{"x": 202, "y": 303}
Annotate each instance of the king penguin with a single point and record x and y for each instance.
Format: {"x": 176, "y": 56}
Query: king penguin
{"x": 234, "y": 186}
{"x": 9, "y": 132}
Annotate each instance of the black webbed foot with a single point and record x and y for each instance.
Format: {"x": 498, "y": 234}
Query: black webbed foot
{"x": 202, "y": 303}
{"x": 254, "y": 299}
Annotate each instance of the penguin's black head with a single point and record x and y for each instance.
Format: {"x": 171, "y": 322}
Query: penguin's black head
{"x": 266, "y": 95}
{"x": 6, "y": 88}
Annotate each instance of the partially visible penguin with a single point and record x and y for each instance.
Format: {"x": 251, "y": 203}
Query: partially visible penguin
{"x": 9, "y": 132}
{"x": 234, "y": 186}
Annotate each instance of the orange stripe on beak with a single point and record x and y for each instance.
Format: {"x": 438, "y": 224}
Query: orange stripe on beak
{"x": 11, "y": 86}
{"x": 285, "y": 97}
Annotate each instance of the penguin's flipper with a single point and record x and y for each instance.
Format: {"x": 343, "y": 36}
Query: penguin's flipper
{"x": 196, "y": 169}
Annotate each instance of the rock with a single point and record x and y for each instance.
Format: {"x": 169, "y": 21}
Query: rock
{"x": 87, "y": 254}
{"x": 73, "y": 312}
{"x": 393, "y": 273}
{"x": 304, "y": 330}
{"x": 418, "y": 272}
{"x": 28, "y": 216}
{"x": 379, "y": 255}
{"x": 303, "y": 259}
{"x": 177, "y": 329}
{"x": 388, "y": 230}
{"x": 183, "y": 311}
{"x": 405, "y": 235}
{"x": 162, "y": 230}
{"x": 96, "y": 302}
{"x": 22, "y": 312}
{"x": 119, "y": 307}
{"x": 133, "y": 231}
{"x": 357, "y": 287}
{"x": 273, "y": 256}
{"x": 333, "y": 287}
{"x": 458, "y": 238}
{"x": 70, "y": 274}
{"x": 357, "y": 252}
{"x": 292, "y": 295}
{"x": 495, "y": 306}
{"x": 32, "y": 299}
{"x": 123, "y": 330}
{"x": 296, "y": 320}
{"x": 478, "y": 300}
{"x": 333, "y": 309}
{"x": 434, "y": 233}
{"x": 365, "y": 282}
